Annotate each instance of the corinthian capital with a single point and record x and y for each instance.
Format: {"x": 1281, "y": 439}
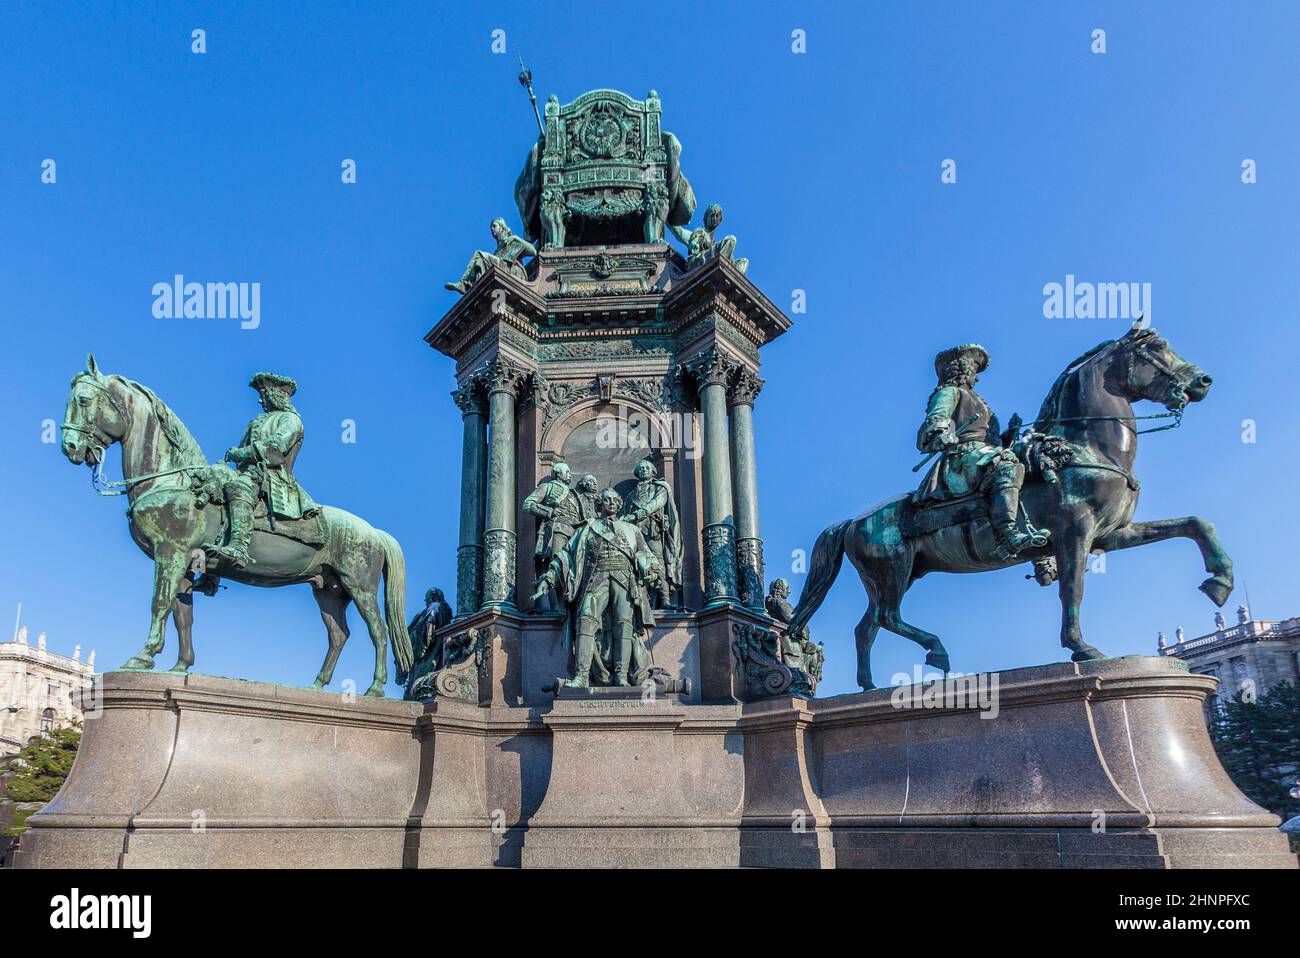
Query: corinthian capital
{"x": 745, "y": 387}
{"x": 501, "y": 375}
{"x": 711, "y": 368}
{"x": 469, "y": 397}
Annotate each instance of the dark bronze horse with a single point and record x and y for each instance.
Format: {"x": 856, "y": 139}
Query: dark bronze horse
{"x": 159, "y": 460}
{"x": 1090, "y": 506}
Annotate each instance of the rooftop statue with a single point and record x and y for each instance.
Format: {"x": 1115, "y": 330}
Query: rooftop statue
{"x": 510, "y": 253}
{"x": 1079, "y": 489}
{"x": 603, "y": 173}
{"x": 278, "y": 536}
{"x": 701, "y": 245}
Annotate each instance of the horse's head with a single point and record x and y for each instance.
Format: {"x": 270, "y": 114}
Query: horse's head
{"x": 1152, "y": 370}
{"x": 93, "y": 419}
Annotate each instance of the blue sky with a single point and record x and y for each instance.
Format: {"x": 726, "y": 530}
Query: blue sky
{"x": 1122, "y": 166}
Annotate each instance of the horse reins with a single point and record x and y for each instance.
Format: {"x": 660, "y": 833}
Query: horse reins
{"x": 102, "y": 442}
{"x": 1179, "y": 382}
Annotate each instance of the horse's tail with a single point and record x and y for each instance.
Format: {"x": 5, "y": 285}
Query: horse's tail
{"x": 827, "y": 557}
{"x": 395, "y": 600}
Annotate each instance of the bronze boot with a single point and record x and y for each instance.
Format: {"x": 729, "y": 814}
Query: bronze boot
{"x": 1003, "y": 505}
{"x": 235, "y": 551}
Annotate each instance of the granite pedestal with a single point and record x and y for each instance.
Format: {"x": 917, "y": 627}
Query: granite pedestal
{"x": 1104, "y": 764}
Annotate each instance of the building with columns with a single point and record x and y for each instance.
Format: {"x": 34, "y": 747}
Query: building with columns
{"x": 38, "y": 689}
{"x": 1252, "y": 654}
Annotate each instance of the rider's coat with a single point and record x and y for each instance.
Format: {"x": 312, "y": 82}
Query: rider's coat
{"x": 275, "y": 438}
{"x": 963, "y": 466}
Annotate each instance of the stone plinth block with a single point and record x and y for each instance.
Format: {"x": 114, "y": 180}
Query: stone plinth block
{"x": 196, "y": 771}
{"x": 1096, "y": 764}
{"x": 617, "y": 790}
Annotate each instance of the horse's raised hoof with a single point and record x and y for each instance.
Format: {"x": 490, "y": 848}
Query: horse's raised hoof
{"x": 138, "y": 663}
{"x": 1086, "y": 653}
{"x": 938, "y": 660}
{"x": 1217, "y": 588}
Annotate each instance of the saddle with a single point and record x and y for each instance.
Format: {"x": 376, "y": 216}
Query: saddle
{"x": 920, "y": 519}
{"x": 1042, "y": 456}
{"x": 309, "y": 530}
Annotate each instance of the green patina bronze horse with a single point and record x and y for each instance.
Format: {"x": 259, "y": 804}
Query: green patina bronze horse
{"x": 176, "y": 526}
{"x": 1088, "y": 507}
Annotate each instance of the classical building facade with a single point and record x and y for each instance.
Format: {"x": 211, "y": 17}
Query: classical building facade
{"x": 1252, "y": 655}
{"x": 37, "y": 689}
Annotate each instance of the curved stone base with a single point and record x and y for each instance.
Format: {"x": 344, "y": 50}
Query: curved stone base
{"x": 192, "y": 771}
{"x": 1102, "y": 764}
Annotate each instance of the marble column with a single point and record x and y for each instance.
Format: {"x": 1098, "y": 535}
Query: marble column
{"x": 473, "y": 496}
{"x": 503, "y": 379}
{"x": 744, "y": 480}
{"x": 711, "y": 371}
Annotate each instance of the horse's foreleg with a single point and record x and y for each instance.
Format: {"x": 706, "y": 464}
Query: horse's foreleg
{"x": 169, "y": 570}
{"x": 1219, "y": 585}
{"x": 183, "y": 619}
{"x": 1072, "y": 565}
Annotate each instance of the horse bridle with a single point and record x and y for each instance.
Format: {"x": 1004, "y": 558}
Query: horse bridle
{"x": 1178, "y": 382}
{"x": 99, "y": 441}
{"x": 1178, "y": 385}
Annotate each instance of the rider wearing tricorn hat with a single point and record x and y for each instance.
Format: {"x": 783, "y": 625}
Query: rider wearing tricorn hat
{"x": 961, "y": 427}
{"x": 264, "y": 462}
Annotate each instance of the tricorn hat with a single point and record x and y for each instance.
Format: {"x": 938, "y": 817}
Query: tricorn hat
{"x": 261, "y": 380}
{"x": 973, "y": 350}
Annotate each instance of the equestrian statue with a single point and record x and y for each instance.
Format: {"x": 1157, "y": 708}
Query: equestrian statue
{"x": 201, "y": 523}
{"x": 1050, "y": 492}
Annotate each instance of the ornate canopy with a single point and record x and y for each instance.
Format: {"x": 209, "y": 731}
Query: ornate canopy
{"x": 604, "y": 174}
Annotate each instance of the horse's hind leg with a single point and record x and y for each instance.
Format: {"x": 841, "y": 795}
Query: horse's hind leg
{"x": 364, "y": 595}
{"x": 864, "y": 635}
{"x": 886, "y": 583}
{"x": 333, "y": 602}
{"x": 169, "y": 568}
{"x": 183, "y": 619}
{"x": 936, "y": 656}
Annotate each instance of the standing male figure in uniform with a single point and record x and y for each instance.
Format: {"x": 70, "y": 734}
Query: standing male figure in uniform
{"x": 604, "y": 570}
{"x": 651, "y": 508}
{"x": 264, "y": 462}
{"x": 559, "y": 511}
{"x": 961, "y": 427}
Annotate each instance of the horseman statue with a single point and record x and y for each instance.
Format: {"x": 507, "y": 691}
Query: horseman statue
{"x": 264, "y": 466}
{"x": 1075, "y": 463}
{"x": 176, "y": 514}
{"x": 961, "y": 428}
